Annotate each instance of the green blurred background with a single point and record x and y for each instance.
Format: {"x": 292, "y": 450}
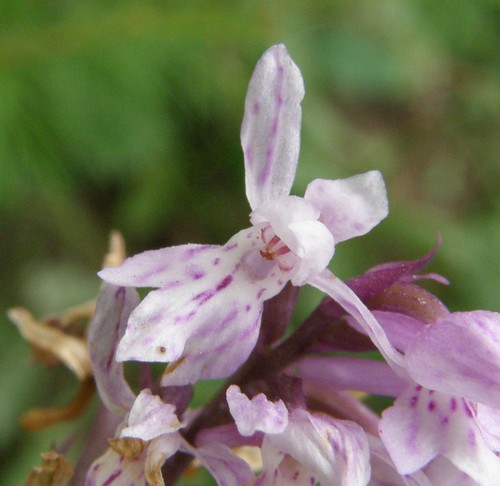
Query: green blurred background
{"x": 126, "y": 115}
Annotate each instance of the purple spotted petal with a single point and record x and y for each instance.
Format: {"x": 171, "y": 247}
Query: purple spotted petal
{"x": 257, "y": 414}
{"x": 108, "y": 325}
{"x": 150, "y": 418}
{"x": 327, "y": 448}
{"x": 111, "y": 469}
{"x": 206, "y": 317}
{"x": 460, "y": 355}
{"x": 423, "y": 424}
{"x": 350, "y": 207}
{"x": 270, "y": 133}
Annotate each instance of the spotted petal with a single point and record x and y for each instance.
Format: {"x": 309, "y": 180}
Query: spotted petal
{"x": 206, "y": 316}
{"x": 270, "y": 133}
{"x": 424, "y": 424}
{"x": 460, "y": 354}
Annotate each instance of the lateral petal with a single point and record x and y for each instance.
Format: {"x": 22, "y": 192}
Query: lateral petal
{"x": 350, "y": 207}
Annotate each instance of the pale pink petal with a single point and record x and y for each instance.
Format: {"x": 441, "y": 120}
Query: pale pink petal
{"x": 423, "y": 424}
{"x": 150, "y": 418}
{"x": 111, "y": 469}
{"x": 443, "y": 472}
{"x": 224, "y": 465}
{"x": 343, "y": 373}
{"x": 208, "y": 327}
{"x": 350, "y": 207}
{"x": 331, "y": 449}
{"x": 384, "y": 471}
{"x": 270, "y": 133}
{"x": 108, "y": 325}
{"x": 173, "y": 267}
{"x": 488, "y": 420}
{"x": 257, "y": 414}
{"x": 349, "y": 301}
{"x": 460, "y": 355}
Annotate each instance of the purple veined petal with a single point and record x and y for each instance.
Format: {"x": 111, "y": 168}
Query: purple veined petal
{"x": 270, "y": 132}
{"x": 257, "y": 414}
{"x": 370, "y": 376}
{"x": 222, "y": 463}
{"x": 108, "y": 325}
{"x": 345, "y": 297}
{"x": 218, "y": 348}
{"x": 150, "y": 418}
{"x": 171, "y": 267}
{"x": 111, "y": 469}
{"x": 350, "y": 207}
{"x": 423, "y": 424}
{"x": 330, "y": 449}
{"x": 460, "y": 355}
{"x": 206, "y": 328}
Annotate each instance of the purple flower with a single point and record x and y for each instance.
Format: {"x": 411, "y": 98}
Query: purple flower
{"x": 300, "y": 447}
{"x": 204, "y": 319}
{"x": 150, "y": 430}
{"x": 446, "y": 416}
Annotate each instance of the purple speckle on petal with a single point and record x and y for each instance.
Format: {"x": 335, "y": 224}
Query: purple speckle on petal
{"x": 453, "y": 404}
{"x": 230, "y": 247}
{"x": 248, "y": 308}
{"x": 296, "y": 475}
{"x": 204, "y": 296}
{"x": 112, "y": 477}
{"x": 216, "y": 261}
{"x": 413, "y": 401}
{"x": 431, "y": 405}
{"x": 471, "y": 438}
{"x": 260, "y": 293}
{"x": 256, "y": 108}
{"x": 312, "y": 480}
{"x": 224, "y": 283}
{"x": 195, "y": 272}
{"x": 191, "y": 252}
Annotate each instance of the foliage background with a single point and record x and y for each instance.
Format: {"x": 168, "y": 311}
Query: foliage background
{"x": 126, "y": 114}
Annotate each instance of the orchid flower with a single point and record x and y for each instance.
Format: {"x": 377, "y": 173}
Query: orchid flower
{"x": 446, "y": 415}
{"x": 204, "y": 319}
{"x": 300, "y": 447}
{"x": 149, "y": 432}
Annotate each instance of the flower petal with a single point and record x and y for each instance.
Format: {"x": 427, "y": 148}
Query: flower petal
{"x": 423, "y": 424}
{"x": 350, "y": 207}
{"x": 224, "y": 465}
{"x": 370, "y": 376}
{"x": 329, "y": 448}
{"x": 113, "y": 308}
{"x": 207, "y": 326}
{"x": 113, "y": 470}
{"x": 345, "y": 297}
{"x": 270, "y": 133}
{"x": 150, "y": 418}
{"x": 256, "y": 414}
{"x": 460, "y": 355}
{"x": 171, "y": 267}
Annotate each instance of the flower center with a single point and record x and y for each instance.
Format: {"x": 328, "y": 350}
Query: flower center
{"x": 273, "y": 246}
